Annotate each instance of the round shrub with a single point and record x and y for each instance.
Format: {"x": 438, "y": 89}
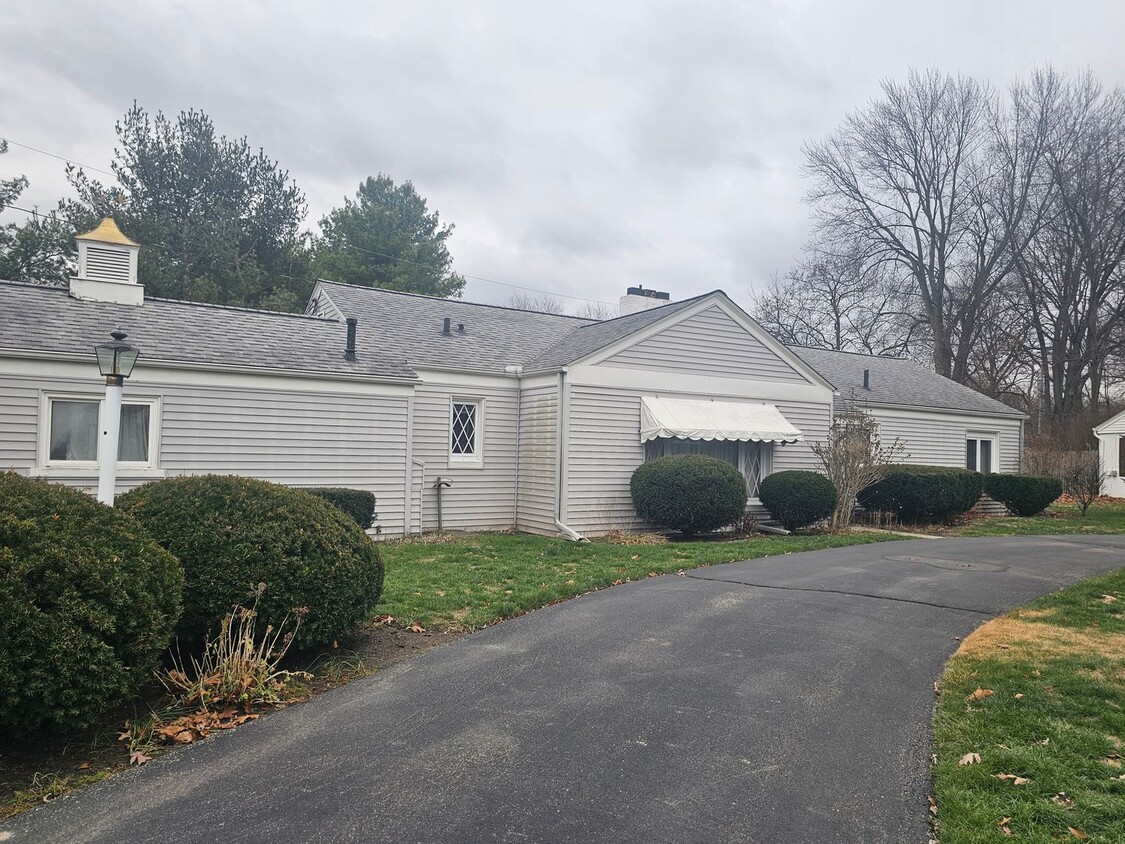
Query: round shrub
{"x": 232, "y": 534}
{"x": 924, "y": 493}
{"x": 691, "y": 493}
{"x": 798, "y": 499}
{"x": 1023, "y": 495}
{"x": 87, "y": 603}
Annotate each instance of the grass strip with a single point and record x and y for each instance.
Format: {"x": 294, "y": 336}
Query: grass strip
{"x": 472, "y": 580}
{"x": 1038, "y": 695}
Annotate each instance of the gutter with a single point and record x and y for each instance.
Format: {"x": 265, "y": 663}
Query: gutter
{"x": 561, "y": 439}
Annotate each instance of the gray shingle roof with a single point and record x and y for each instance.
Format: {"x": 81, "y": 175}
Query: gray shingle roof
{"x": 894, "y": 381}
{"x": 397, "y": 330}
{"x": 409, "y": 327}
{"x": 597, "y": 335}
{"x": 45, "y": 319}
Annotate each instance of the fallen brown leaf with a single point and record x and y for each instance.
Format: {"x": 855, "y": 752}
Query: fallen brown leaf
{"x": 1107, "y": 599}
{"x": 138, "y": 758}
{"x": 933, "y": 806}
{"x": 1077, "y": 833}
{"x": 980, "y": 694}
{"x": 1064, "y": 800}
{"x": 1018, "y": 695}
{"x": 1015, "y": 780}
{"x": 84, "y": 766}
{"x": 969, "y": 759}
{"x": 416, "y": 628}
{"x": 1002, "y": 825}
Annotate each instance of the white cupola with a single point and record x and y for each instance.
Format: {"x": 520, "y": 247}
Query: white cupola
{"x": 107, "y": 267}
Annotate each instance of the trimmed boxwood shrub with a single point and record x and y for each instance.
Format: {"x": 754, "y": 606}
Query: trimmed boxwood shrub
{"x": 232, "y": 534}
{"x": 798, "y": 499}
{"x": 87, "y": 603}
{"x": 357, "y": 503}
{"x": 1023, "y": 495}
{"x": 924, "y": 493}
{"x": 691, "y": 493}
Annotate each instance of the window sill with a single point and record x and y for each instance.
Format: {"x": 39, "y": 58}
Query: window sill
{"x": 465, "y": 464}
{"x": 85, "y": 472}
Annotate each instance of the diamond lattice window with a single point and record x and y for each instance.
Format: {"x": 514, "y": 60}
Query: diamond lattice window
{"x": 464, "y": 432}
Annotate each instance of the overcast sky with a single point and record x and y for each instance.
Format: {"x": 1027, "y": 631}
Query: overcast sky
{"x": 578, "y": 147}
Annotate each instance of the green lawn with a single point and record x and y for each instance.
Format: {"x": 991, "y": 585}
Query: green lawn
{"x": 1102, "y": 517}
{"x": 472, "y": 580}
{"x": 1055, "y": 719}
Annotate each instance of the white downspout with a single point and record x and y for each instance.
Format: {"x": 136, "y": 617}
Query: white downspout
{"x": 516, "y": 371}
{"x": 562, "y": 438}
{"x": 408, "y": 498}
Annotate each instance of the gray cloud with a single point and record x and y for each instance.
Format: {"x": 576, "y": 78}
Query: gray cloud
{"x": 578, "y": 147}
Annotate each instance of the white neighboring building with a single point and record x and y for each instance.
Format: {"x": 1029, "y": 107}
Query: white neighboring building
{"x": 1111, "y": 454}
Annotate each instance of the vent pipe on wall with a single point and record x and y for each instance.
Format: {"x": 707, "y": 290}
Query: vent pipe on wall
{"x": 349, "y": 349}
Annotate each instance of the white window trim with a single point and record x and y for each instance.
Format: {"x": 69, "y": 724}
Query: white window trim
{"x": 986, "y": 435}
{"x": 476, "y": 459}
{"x": 46, "y": 467}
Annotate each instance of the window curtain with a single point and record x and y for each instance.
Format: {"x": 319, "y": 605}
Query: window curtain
{"x": 133, "y": 447}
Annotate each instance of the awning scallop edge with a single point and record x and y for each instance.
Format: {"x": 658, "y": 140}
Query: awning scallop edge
{"x": 699, "y": 419}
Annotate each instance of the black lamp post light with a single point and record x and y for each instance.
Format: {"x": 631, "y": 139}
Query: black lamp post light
{"x": 115, "y": 361}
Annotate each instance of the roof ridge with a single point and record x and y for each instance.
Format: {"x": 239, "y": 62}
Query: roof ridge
{"x": 587, "y": 320}
{"x": 849, "y": 352}
{"x": 650, "y": 310}
{"x": 59, "y": 288}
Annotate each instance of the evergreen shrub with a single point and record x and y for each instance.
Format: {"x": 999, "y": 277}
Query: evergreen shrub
{"x": 232, "y": 534}
{"x": 1023, "y": 495}
{"x": 690, "y": 493}
{"x": 922, "y": 494}
{"x": 88, "y": 601}
{"x": 797, "y": 498}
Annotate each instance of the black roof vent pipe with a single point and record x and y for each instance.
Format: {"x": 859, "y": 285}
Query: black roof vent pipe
{"x": 867, "y": 379}
{"x": 349, "y": 349}
{"x": 460, "y": 328}
{"x": 445, "y": 326}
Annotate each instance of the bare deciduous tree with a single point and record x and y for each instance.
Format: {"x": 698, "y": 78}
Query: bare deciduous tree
{"x": 1072, "y": 268}
{"x": 544, "y": 304}
{"x": 853, "y": 457}
{"x": 837, "y": 301}
{"x": 596, "y": 310}
{"x": 935, "y": 179}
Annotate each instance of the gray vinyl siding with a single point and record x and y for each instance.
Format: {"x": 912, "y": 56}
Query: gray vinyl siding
{"x": 538, "y": 460}
{"x": 711, "y": 343}
{"x": 19, "y": 415}
{"x": 292, "y": 438}
{"x": 480, "y": 498}
{"x": 604, "y": 448}
{"x": 934, "y": 439}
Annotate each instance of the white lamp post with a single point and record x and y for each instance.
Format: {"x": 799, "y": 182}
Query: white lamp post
{"x": 115, "y": 360}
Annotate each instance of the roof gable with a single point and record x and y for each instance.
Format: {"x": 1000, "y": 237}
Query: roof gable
{"x": 643, "y": 340}
{"x": 712, "y": 341}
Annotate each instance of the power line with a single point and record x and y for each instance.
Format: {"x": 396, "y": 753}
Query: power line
{"x": 349, "y": 245}
{"x": 59, "y": 157}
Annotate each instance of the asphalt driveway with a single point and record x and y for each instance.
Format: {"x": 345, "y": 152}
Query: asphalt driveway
{"x": 778, "y": 700}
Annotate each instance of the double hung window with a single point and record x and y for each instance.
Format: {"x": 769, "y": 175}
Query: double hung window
{"x": 73, "y": 425}
{"x": 979, "y": 453}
